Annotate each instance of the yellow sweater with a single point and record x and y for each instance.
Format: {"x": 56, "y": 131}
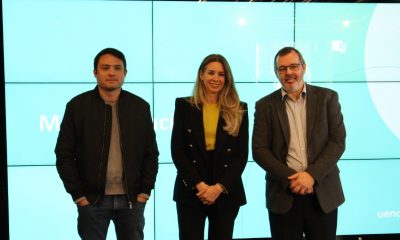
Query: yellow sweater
{"x": 210, "y": 121}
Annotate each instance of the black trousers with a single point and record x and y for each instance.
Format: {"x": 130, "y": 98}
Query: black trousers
{"x": 192, "y": 218}
{"x": 304, "y": 218}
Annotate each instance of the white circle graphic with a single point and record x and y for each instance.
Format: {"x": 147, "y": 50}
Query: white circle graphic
{"x": 382, "y": 64}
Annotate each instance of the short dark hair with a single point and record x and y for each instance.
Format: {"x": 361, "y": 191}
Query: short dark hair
{"x": 116, "y": 53}
{"x": 286, "y": 50}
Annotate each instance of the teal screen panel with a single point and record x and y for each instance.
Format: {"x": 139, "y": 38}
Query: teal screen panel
{"x": 49, "y": 48}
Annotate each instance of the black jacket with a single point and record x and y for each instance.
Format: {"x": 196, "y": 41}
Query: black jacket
{"x": 84, "y": 140}
{"x": 189, "y": 155}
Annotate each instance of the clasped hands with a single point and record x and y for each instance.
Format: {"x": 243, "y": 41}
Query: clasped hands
{"x": 301, "y": 183}
{"x": 207, "y": 194}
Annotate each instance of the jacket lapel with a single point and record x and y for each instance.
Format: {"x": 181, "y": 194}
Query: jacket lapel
{"x": 198, "y": 125}
{"x": 220, "y": 136}
{"x": 310, "y": 104}
{"x": 282, "y": 116}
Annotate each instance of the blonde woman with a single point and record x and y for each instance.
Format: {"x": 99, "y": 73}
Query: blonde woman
{"x": 209, "y": 148}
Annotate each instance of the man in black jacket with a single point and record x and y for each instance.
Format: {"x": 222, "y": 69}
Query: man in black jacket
{"x": 107, "y": 154}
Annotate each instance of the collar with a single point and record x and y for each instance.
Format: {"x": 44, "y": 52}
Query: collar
{"x": 284, "y": 93}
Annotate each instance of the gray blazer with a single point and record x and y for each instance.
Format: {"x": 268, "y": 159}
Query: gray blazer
{"x": 326, "y": 136}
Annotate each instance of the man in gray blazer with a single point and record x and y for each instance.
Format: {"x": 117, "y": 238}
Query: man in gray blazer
{"x": 298, "y": 138}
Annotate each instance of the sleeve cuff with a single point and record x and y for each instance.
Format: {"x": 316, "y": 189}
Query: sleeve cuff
{"x": 223, "y": 188}
{"x": 79, "y": 199}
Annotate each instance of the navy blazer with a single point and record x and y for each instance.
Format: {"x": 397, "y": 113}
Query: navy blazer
{"x": 326, "y": 136}
{"x": 189, "y": 156}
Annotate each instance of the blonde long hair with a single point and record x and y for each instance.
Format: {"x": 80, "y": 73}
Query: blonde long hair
{"x": 228, "y": 98}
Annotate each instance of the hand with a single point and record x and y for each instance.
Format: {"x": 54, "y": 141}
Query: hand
{"x": 83, "y": 202}
{"x": 201, "y": 186}
{"x": 141, "y": 199}
{"x": 302, "y": 183}
{"x": 211, "y": 194}
{"x": 201, "y": 189}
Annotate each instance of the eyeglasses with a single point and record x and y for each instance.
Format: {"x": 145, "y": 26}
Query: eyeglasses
{"x": 292, "y": 67}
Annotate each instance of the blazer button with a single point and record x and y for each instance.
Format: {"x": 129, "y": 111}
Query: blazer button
{"x": 228, "y": 150}
{"x": 194, "y": 161}
{"x": 225, "y": 166}
{"x": 190, "y": 145}
{"x": 189, "y": 130}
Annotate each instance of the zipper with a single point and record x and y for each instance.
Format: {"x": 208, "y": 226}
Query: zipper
{"x": 101, "y": 153}
{"x": 123, "y": 159}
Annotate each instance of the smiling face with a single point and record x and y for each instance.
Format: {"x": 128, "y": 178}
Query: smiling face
{"x": 109, "y": 73}
{"x": 213, "y": 78}
{"x": 290, "y": 72}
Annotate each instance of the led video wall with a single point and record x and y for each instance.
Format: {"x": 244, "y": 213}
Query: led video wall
{"x": 49, "y": 48}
